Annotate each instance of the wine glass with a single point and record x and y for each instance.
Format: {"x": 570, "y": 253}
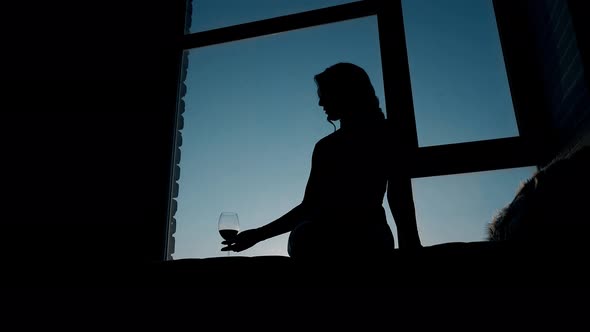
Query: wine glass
{"x": 228, "y": 225}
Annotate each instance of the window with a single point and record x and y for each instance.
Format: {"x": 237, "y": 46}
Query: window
{"x": 250, "y": 122}
{"x": 248, "y": 116}
{"x": 458, "y": 208}
{"x": 459, "y": 81}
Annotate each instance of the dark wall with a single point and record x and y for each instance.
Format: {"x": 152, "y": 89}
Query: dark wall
{"x": 87, "y": 119}
{"x": 558, "y": 43}
{"x": 579, "y": 11}
{"x": 545, "y": 53}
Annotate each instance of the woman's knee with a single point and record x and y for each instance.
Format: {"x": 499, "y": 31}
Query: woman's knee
{"x": 304, "y": 241}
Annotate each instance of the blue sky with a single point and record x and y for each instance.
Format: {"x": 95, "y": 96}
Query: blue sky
{"x": 252, "y": 117}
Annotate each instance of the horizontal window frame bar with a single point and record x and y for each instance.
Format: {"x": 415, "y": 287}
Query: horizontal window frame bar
{"x": 478, "y": 156}
{"x": 280, "y": 24}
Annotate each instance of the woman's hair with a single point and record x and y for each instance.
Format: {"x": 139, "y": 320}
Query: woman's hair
{"x": 346, "y": 80}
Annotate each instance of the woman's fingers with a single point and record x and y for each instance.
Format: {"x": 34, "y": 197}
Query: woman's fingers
{"x": 240, "y": 242}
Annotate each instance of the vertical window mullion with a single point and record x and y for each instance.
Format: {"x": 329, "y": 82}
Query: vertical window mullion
{"x": 400, "y": 108}
{"x": 396, "y": 75}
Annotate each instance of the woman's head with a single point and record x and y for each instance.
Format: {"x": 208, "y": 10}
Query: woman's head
{"x": 345, "y": 90}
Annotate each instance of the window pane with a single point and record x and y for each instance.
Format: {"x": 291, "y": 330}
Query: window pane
{"x": 458, "y": 208}
{"x": 251, "y": 122}
{"x": 459, "y": 81}
{"x": 213, "y": 14}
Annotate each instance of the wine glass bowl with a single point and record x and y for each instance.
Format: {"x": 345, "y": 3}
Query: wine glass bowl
{"x": 228, "y": 225}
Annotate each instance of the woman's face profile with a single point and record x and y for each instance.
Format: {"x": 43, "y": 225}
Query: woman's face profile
{"x": 331, "y": 104}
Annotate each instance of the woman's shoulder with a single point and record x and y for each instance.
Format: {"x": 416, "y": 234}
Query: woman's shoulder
{"x": 330, "y": 139}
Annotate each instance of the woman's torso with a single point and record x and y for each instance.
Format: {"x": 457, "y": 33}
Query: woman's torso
{"x": 349, "y": 177}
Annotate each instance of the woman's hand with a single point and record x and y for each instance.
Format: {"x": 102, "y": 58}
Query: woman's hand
{"x": 242, "y": 240}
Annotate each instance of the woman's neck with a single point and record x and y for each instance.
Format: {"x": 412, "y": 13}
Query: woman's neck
{"x": 363, "y": 121}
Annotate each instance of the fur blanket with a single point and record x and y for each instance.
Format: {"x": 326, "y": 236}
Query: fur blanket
{"x": 551, "y": 207}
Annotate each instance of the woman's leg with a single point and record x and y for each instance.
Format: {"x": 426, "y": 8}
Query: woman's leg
{"x": 307, "y": 241}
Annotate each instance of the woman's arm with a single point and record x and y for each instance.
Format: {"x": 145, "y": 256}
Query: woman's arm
{"x": 249, "y": 238}
{"x": 284, "y": 224}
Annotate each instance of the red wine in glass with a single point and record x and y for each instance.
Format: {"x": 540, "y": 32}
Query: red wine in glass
{"x": 228, "y": 234}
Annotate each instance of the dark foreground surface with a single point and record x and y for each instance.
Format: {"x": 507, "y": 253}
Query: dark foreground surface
{"x": 474, "y": 286}
{"x": 452, "y": 265}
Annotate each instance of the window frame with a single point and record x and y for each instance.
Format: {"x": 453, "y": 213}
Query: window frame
{"x": 447, "y": 159}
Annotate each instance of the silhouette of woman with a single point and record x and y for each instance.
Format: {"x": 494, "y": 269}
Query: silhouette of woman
{"x": 342, "y": 213}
